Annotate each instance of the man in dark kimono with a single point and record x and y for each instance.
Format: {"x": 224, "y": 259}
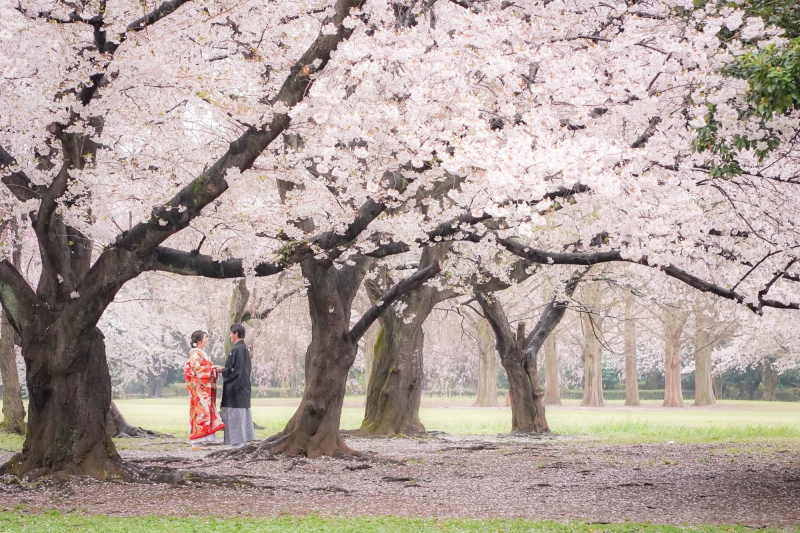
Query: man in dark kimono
{"x": 236, "y": 412}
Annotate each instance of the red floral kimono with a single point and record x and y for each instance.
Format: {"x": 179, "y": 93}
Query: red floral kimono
{"x": 201, "y": 381}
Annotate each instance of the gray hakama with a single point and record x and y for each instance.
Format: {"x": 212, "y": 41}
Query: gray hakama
{"x": 238, "y": 425}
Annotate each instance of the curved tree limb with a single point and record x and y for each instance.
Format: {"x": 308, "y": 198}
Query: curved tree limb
{"x": 133, "y": 248}
{"x": 593, "y": 258}
{"x": 400, "y": 288}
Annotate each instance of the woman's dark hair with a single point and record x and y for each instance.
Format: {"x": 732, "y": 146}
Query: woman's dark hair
{"x": 198, "y": 336}
{"x": 239, "y": 330}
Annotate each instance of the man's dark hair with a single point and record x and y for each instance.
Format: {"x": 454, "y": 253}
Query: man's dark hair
{"x": 239, "y": 330}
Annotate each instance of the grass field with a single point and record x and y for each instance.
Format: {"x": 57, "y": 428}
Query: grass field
{"x": 52, "y": 521}
{"x": 726, "y": 422}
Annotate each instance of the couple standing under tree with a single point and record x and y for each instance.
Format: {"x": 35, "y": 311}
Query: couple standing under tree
{"x": 201, "y": 380}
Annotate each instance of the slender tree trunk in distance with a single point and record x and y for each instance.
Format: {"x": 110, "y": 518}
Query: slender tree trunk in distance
{"x": 395, "y": 385}
{"x": 704, "y": 344}
{"x": 717, "y": 382}
{"x": 769, "y": 377}
{"x": 631, "y": 370}
{"x": 156, "y": 379}
{"x": 239, "y": 297}
{"x": 552, "y": 387}
{"x": 487, "y": 366}
{"x": 593, "y": 350}
{"x": 674, "y": 321}
{"x": 703, "y": 384}
{"x": 13, "y": 408}
{"x": 653, "y": 380}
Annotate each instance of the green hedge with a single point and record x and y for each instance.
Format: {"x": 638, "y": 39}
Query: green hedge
{"x": 781, "y": 395}
{"x": 615, "y": 394}
{"x": 787, "y": 395}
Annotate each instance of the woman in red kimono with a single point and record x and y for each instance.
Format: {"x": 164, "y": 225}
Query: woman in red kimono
{"x": 201, "y": 381}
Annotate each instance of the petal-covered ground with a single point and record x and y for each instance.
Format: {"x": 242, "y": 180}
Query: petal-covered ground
{"x": 455, "y": 476}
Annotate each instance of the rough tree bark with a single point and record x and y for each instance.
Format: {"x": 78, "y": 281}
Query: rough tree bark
{"x": 592, "y": 322}
{"x": 13, "y": 409}
{"x": 769, "y": 378}
{"x": 370, "y": 338}
{"x": 552, "y": 387}
{"x": 314, "y": 429}
{"x": 631, "y": 370}
{"x": 518, "y": 355}
{"x": 487, "y": 366}
{"x": 673, "y": 320}
{"x": 395, "y": 385}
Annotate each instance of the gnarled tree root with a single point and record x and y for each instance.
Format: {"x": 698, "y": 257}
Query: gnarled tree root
{"x": 294, "y": 444}
{"x": 115, "y": 470}
{"x": 386, "y": 433}
{"x": 117, "y": 426}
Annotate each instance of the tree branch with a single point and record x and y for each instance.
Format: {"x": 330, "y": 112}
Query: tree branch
{"x": 157, "y": 14}
{"x": 587, "y": 259}
{"x": 266, "y": 312}
{"x": 649, "y": 132}
{"x": 402, "y": 287}
{"x": 136, "y": 245}
{"x": 553, "y": 313}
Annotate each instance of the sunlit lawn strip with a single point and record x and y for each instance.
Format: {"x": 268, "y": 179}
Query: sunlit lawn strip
{"x": 53, "y": 521}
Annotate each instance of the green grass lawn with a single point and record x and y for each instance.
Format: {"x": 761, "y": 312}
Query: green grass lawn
{"x": 727, "y": 422}
{"x": 52, "y": 521}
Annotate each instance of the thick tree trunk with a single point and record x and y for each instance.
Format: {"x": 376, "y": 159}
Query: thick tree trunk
{"x": 395, "y": 389}
{"x": 769, "y": 378}
{"x": 552, "y": 387}
{"x": 527, "y": 404}
{"x": 518, "y": 355}
{"x": 67, "y": 413}
{"x": 674, "y": 321}
{"x": 13, "y": 409}
{"x": 487, "y": 366}
{"x": 395, "y": 385}
{"x": 314, "y": 429}
{"x": 631, "y": 370}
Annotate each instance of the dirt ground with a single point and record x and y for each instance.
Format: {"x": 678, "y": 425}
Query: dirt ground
{"x": 449, "y": 476}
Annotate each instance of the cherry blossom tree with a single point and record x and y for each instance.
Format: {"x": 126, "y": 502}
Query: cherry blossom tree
{"x": 145, "y": 141}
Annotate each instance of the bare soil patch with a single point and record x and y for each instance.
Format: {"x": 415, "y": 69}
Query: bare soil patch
{"x": 449, "y": 476}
